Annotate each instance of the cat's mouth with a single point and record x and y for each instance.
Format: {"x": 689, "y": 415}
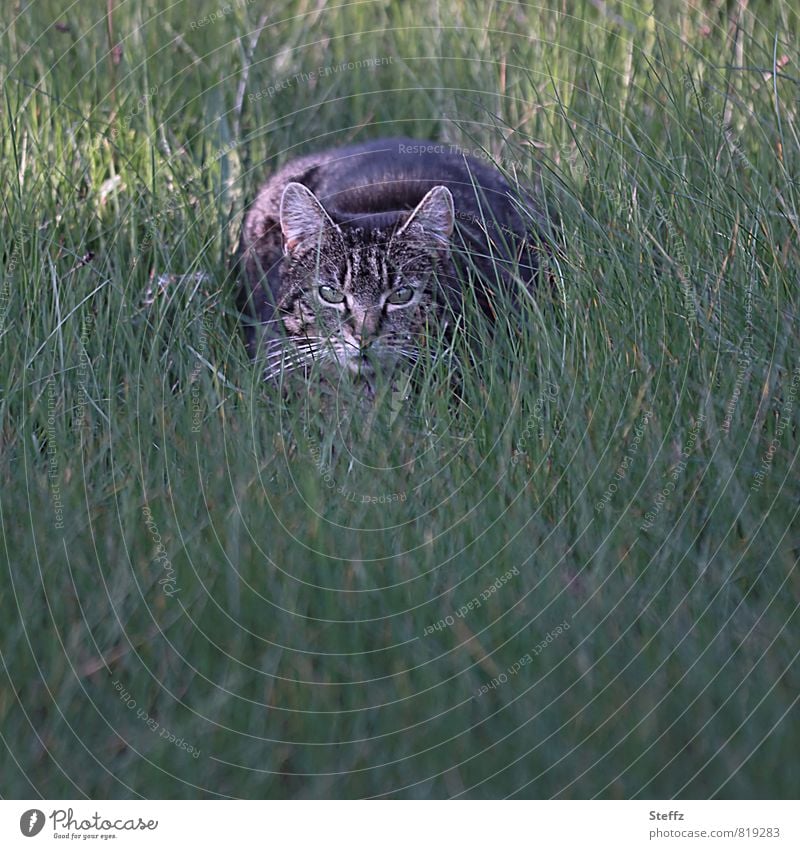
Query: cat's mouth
{"x": 360, "y": 366}
{"x": 365, "y": 362}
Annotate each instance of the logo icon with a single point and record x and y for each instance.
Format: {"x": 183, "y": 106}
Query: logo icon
{"x": 31, "y": 822}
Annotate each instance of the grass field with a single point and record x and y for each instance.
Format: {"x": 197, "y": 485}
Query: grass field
{"x": 580, "y": 579}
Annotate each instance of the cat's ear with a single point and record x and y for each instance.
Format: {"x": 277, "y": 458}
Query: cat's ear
{"x": 302, "y": 216}
{"x": 431, "y": 224}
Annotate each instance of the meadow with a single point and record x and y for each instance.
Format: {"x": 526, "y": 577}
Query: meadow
{"x": 576, "y": 578}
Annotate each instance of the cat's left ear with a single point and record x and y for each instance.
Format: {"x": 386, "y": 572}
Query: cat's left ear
{"x": 302, "y": 216}
{"x": 431, "y": 224}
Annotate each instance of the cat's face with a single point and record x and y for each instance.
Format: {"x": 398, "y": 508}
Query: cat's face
{"x": 357, "y": 298}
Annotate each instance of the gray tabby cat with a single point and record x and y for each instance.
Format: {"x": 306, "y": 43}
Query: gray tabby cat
{"x": 354, "y": 255}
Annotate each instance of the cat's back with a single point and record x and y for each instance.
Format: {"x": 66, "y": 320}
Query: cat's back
{"x": 388, "y": 176}
{"x": 395, "y": 174}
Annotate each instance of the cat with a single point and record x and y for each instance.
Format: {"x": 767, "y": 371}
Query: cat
{"x": 353, "y": 256}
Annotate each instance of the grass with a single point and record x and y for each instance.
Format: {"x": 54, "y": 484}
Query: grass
{"x": 211, "y": 589}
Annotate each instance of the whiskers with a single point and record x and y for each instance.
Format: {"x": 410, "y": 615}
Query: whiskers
{"x": 400, "y": 351}
{"x": 392, "y": 352}
{"x": 290, "y": 354}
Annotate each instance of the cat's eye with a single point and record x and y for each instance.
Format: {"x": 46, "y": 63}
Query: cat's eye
{"x": 401, "y": 296}
{"x": 331, "y": 295}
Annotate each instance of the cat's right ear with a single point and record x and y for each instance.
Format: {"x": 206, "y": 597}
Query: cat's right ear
{"x": 302, "y": 216}
{"x": 431, "y": 224}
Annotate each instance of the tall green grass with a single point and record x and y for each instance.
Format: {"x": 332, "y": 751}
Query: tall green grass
{"x": 212, "y": 588}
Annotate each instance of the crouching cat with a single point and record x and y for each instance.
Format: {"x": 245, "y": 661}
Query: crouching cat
{"x": 353, "y": 256}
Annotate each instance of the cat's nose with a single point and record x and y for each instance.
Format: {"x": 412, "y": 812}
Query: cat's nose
{"x": 365, "y": 327}
{"x": 365, "y": 339}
